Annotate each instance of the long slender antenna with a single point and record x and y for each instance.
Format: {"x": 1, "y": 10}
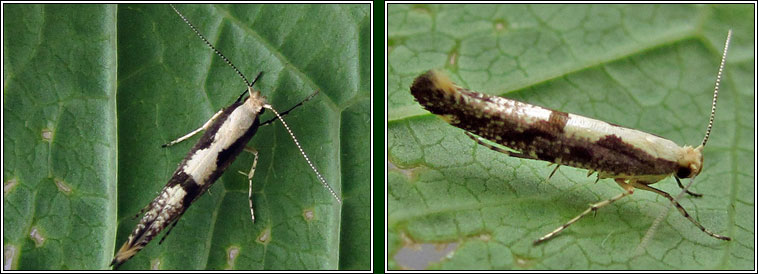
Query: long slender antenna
{"x": 249, "y": 88}
{"x": 716, "y": 90}
{"x": 211, "y": 46}
{"x": 685, "y": 189}
{"x": 318, "y": 174}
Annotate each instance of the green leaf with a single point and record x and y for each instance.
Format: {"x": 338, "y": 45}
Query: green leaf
{"x": 647, "y": 67}
{"x": 113, "y": 83}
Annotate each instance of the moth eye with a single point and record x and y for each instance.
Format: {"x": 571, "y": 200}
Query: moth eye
{"x": 683, "y": 172}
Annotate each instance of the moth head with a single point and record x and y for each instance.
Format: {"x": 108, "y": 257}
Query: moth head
{"x": 690, "y": 162}
{"x": 441, "y": 82}
{"x": 256, "y": 99}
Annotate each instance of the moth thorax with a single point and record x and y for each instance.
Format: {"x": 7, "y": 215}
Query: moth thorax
{"x": 690, "y": 162}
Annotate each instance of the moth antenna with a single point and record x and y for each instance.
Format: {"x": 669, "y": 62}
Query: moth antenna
{"x": 716, "y": 90}
{"x": 318, "y": 174}
{"x": 256, "y": 78}
{"x": 249, "y": 89}
{"x": 211, "y": 46}
{"x": 651, "y": 230}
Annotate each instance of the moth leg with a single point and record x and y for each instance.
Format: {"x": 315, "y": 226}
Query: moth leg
{"x": 628, "y": 190}
{"x": 552, "y": 173}
{"x": 204, "y": 127}
{"x": 687, "y": 190}
{"x": 250, "y": 181}
{"x": 680, "y": 208}
{"x": 291, "y": 108}
{"x": 480, "y": 141}
{"x": 589, "y": 173}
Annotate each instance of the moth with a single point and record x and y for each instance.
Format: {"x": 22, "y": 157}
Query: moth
{"x": 226, "y": 135}
{"x": 632, "y": 158}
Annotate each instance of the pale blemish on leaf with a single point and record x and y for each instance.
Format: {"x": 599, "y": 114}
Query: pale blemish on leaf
{"x": 410, "y": 173}
{"x": 452, "y": 59}
{"x": 265, "y": 236}
{"x": 308, "y": 214}
{"x": 47, "y": 135}
{"x": 522, "y": 262}
{"x": 8, "y": 185}
{"x": 419, "y": 256}
{"x": 62, "y": 186}
{"x": 499, "y": 25}
{"x": 155, "y": 264}
{"x": 37, "y": 237}
{"x": 486, "y": 237}
{"x": 231, "y": 255}
{"x": 9, "y": 257}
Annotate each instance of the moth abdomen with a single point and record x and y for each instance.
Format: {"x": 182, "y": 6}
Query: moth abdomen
{"x": 165, "y": 209}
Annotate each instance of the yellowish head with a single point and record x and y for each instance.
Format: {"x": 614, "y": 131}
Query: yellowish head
{"x": 690, "y": 163}
{"x": 441, "y": 81}
{"x": 256, "y": 100}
